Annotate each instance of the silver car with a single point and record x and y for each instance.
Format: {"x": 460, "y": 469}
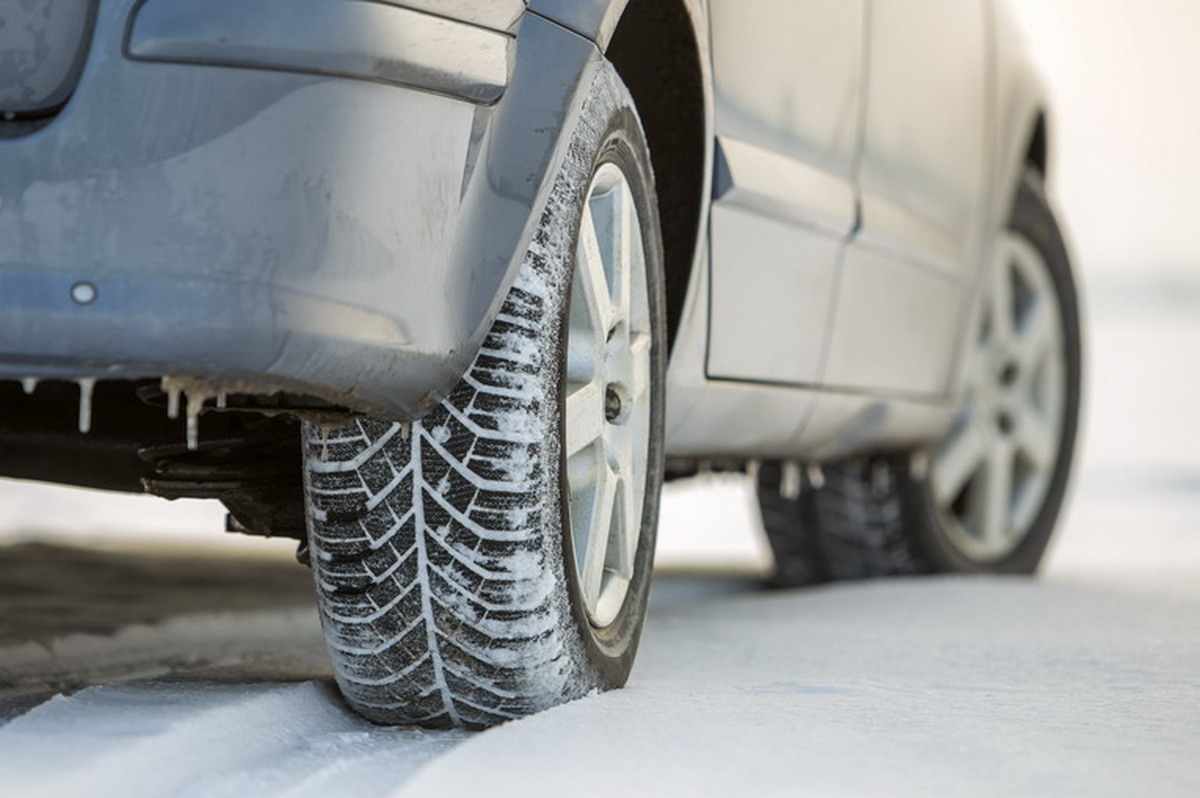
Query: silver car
{"x": 445, "y": 289}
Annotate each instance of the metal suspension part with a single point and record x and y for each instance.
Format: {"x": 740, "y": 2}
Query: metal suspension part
{"x": 256, "y": 474}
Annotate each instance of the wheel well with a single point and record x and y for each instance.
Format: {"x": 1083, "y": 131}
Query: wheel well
{"x": 1038, "y": 152}
{"x": 655, "y": 52}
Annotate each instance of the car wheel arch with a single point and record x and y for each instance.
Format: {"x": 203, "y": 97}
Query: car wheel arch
{"x": 1037, "y": 152}
{"x": 659, "y": 49}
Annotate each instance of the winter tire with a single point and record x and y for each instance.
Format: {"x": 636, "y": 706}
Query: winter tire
{"x": 986, "y": 498}
{"x": 492, "y": 559}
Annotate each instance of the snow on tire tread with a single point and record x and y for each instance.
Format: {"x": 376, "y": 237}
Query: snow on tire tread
{"x": 436, "y": 547}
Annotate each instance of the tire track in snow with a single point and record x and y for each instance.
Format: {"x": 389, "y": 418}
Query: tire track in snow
{"x": 141, "y": 650}
{"x": 202, "y": 738}
{"x": 176, "y": 695}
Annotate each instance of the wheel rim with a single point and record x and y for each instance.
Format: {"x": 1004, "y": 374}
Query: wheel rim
{"x": 607, "y": 394}
{"x": 991, "y": 475}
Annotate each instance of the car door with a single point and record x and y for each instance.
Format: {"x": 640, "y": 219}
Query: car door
{"x": 787, "y": 77}
{"x": 906, "y": 277}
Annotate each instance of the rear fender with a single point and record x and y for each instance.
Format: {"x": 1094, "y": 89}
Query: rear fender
{"x": 1017, "y": 100}
{"x": 288, "y": 227}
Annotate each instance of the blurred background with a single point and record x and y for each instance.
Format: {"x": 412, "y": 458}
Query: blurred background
{"x": 1126, "y": 133}
{"x": 1126, "y": 176}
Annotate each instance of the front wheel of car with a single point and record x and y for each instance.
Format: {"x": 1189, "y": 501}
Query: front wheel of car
{"x": 986, "y": 498}
{"x": 493, "y": 558}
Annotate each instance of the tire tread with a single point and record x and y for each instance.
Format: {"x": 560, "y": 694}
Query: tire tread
{"x": 427, "y": 546}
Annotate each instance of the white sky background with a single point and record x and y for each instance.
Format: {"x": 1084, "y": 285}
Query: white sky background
{"x": 1124, "y": 80}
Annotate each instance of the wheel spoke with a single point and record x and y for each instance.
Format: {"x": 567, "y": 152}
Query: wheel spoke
{"x": 639, "y": 377}
{"x": 626, "y": 229}
{"x": 1002, "y": 307}
{"x": 957, "y": 461}
{"x": 630, "y": 507}
{"x": 1036, "y": 335}
{"x": 599, "y": 526}
{"x": 593, "y": 279}
{"x": 1027, "y": 502}
{"x": 585, "y": 417}
{"x": 626, "y": 447}
{"x": 1036, "y": 438}
{"x": 995, "y": 510}
{"x": 1050, "y": 388}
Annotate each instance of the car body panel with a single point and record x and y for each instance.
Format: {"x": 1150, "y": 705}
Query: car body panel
{"x": 705, "y": 417}
{"x": 784, "y": 189}
{"x": 1018, "y": 103}
{"x": 868, "y": 413}
{"x": 907, "y": 274}
{"x": 897, "y": 326}
{"x": 42, "y": 47}
{"x": 366, "y": 40}
{"x": 371, "y": 281}
{"x": 788, "y": 121}
{"x": 500, "y": 15}
{"x": 593, "y": 19}
{"x": 924, "y": 159}
{"x": 365, "y": 281}
{"x": 773, "y": 286}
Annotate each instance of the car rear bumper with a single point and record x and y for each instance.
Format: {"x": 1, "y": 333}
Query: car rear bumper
{"x": 276, "y": 224}
{"x": 235, "y": 223}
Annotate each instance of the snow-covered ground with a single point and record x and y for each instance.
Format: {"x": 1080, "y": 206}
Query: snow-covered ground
{"x": 1083, "y": 682}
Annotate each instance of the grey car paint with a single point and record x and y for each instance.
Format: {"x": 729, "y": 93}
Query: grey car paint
{"x": 41, "y": 52}
{"x": 381, "y": 297}
{"x": 906, "y": 275}
{"x": 233, "y": 229}
{"x": 891, "y": 367}
{"x": 788, "y": 125}
{"x": 370, "y": 41}
{"x": 593, "y": 19}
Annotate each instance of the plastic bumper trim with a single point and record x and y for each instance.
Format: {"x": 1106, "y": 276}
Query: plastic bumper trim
{"x": 350, "y": 38}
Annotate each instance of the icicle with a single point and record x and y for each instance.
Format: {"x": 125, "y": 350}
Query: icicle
{"x": 29, "y": 384}
{"x": 195, "y": 403}
{"x": 920, "y": 465}
{"x": 173, "y": 392}
{"x": 816, "y": 476}
{"x": 789, "y": 481}
{"x": 222, "y": 397}
{"x": 324, "y": 444}
{"x": 86, "y": 385}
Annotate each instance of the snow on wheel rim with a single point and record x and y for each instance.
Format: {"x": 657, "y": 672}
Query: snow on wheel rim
{"x": 992, "y": 473}
{"x": 607, "y": 393}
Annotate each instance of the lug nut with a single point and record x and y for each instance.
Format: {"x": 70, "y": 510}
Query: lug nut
{"x": 1005, "y": 423}
{"x": 612, "y": 404}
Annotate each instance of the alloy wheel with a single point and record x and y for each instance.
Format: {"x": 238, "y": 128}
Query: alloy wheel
{"x": 608, "y": 411}
{"x": 991, "y": 475}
